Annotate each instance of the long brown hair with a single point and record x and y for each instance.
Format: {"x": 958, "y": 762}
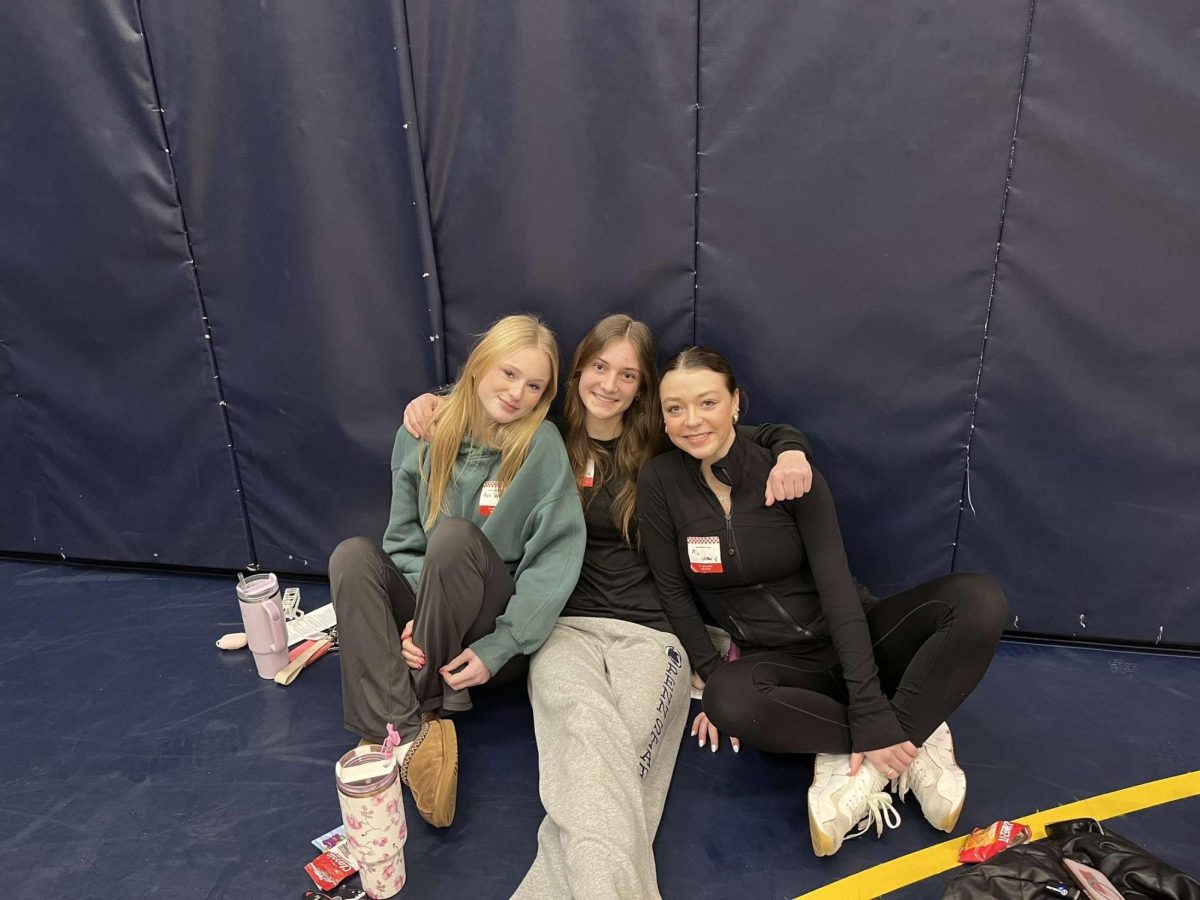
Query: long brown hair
{"x": 459, "y": 416}
{"x": 641, "y": 424}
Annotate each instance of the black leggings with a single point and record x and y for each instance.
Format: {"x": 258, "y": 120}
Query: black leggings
{"x": 932, "y": 644}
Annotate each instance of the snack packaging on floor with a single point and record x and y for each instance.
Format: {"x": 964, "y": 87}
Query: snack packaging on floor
{"x": 984, "y": 843}
{"x": 332, "y": 867}
{"x": 329, "y": 838}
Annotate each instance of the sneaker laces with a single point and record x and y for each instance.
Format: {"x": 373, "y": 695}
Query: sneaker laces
{"x": 914, "y": 778}
{"x": 880, "y": 812}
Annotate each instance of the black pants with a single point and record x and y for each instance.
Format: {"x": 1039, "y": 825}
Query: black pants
{"x": 932, "y": 644}
{"x": 464, "y": 587}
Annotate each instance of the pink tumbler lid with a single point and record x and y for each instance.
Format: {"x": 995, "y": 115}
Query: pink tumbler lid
{"x": 258, "y": 587}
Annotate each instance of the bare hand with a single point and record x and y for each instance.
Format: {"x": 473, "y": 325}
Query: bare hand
{"x": 413, "y": 655}
{"x": 704, "y": 730}
{"x": 418, "y": 415}
{"x": 791, "y": 477}
{"x": 697, "y": 683}
{"x": 888, "y": 761}
{"x": 471, "y": 671}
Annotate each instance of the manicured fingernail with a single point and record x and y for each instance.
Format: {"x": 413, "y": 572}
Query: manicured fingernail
{"x": 714, "y": 748}
{"x": 737, "y": 748}
{"x": 700, "y": 742}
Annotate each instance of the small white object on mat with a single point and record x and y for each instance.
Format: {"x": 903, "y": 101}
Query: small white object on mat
{"x": 235, "y": 640}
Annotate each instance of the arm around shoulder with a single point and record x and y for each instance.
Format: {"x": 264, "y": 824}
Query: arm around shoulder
{"x": 777, "y": 438}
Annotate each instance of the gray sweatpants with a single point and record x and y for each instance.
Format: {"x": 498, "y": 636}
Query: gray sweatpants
{"x": 610, "y": 702}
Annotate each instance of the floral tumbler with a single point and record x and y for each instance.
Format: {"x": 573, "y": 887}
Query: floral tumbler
{"x": 368, "y": 783}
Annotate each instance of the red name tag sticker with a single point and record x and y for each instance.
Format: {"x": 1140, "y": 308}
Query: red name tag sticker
{"x": 589, "y": 474}
{"x": 489, "y": 496}
{"x": 704, "y": 554}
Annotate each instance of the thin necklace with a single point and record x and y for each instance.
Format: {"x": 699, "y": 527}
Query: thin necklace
{"x": 722, "y": 496}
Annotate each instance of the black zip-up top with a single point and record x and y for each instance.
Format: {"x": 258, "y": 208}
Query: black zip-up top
{"x": 615, "y": 581}
{"x": 774, "y": 577}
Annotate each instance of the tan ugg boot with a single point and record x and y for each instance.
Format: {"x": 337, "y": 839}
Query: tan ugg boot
{"x": 430, "y": 769}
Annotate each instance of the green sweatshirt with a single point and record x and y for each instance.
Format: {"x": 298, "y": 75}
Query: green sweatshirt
{"x": 536, "y": 527}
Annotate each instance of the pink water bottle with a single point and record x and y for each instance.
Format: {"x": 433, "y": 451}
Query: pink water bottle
{"x": 262, "y": 616}
{"x": 368, "y": 786}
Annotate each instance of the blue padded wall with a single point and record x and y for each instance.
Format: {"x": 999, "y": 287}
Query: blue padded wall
{"x": 558, "y": 144}
{"x": 112, "y": 439}
{"x": 852, "y": 165}
{"x": 1084, "y": 483}
{"x": 287, "y": 130}
{"x": 204, "y": 354}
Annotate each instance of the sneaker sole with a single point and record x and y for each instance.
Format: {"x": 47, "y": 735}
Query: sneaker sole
{"x": 948, "y": 821}
{"x": 823, "y": 844}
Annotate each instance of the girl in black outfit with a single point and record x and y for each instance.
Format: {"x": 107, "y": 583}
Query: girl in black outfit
{"x": 824, "y": 668}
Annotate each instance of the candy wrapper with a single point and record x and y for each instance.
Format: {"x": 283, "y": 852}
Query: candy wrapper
{"x": 984, "y": 843}
{"x": 332, "y": 867}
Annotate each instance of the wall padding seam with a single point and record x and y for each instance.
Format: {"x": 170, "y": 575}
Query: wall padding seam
{"x": 251, "y": 555}
{"x": 696, "y": 193}
{"x": 420, "y": 189}
{"x": 964, "y": 501}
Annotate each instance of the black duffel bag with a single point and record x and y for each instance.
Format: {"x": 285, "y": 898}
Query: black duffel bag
{"x": 1030, "y": 871}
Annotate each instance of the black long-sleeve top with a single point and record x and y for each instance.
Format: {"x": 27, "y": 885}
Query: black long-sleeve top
{"x": 615, "y": 582}
{"x": 781, "y": 578}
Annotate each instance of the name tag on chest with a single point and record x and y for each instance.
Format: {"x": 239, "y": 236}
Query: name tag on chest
{"x": 489, "y": 496}
{"x": 704, "y": 554}
{"x": 589, "y": 474}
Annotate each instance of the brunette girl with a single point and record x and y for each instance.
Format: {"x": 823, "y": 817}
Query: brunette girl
{"x": 823, "y": 668}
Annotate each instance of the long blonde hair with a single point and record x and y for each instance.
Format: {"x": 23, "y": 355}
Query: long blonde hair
{"x": 641, "y": 424}
{"x": 458, "y": 418}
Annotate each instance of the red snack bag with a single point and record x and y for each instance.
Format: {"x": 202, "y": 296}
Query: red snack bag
{"x": 984, "y": 843}
{"x": 332, "y": 867}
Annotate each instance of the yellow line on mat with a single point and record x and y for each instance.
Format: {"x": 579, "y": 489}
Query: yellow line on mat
{"x": 898, "y": 873}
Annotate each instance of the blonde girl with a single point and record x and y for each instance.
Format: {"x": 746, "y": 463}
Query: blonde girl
{"x": 482, "y": 548}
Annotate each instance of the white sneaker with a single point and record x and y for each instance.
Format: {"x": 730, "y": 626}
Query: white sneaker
{"x": 935, "y": 779}
{"x": 838, "y": 802}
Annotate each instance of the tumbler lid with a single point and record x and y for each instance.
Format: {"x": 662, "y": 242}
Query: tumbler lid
{"x": 259, "y": 586}
{"x": 365, "y": 769}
